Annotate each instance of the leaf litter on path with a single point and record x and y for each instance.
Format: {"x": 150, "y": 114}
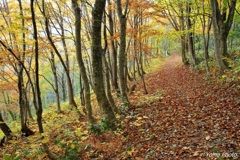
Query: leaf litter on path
{"x": 193, "y": 118}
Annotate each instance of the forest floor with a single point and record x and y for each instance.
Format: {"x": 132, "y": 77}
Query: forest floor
{"x": 185, "y": 115}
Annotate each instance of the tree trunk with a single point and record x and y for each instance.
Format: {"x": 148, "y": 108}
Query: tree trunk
{"x": 205, "y": 38}
{"x": 77, "y": 13}
{"x": 106, "y": 71}
{"x": 222, "y": 22}
{"x": 56, "y": 88}
{"x": 122, "y": 58}
{"x": 38, "y": 93}
{"x": 64, "y": 95}
{"x": 98, "y": 84}
{"x": 67, "y": 63}
{"x": 4, "y": 127}
{"x": 140, "y": 57}
{"x": 113, "y": 50}
{"x": 107, "y": 85}
{"x": 21, "y": 91}
{"x": 82, "y": 97}
{"x": 183, "y": 39}
{"x": 190, "y": 35}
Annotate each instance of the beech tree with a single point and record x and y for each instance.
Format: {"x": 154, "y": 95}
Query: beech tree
{"x": 77, "y": 13}
{"x": 97, "y": 51}
{"x": 206, "y": 33}
{"x": 190, "y": 34}
{"x": 122, "y": 58}
{"x": 222, "y": 15}
{"x": 5, "y": 129}
{"x": 113, "y": 46}
{"x": 38, "y": 92}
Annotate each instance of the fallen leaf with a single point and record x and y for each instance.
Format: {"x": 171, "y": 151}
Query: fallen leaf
{"x": 208, "y": 138}
{"x": 195, "y": 154}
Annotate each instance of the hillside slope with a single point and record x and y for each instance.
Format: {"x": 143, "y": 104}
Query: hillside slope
{"x": 184, "y": 116}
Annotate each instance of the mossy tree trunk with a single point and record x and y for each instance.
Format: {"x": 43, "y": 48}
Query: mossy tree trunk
{"x": 222, "y": 17}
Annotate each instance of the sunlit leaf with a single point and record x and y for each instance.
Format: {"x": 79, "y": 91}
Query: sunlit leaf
{"x": 72, "y": 146}
{"x": 83, "y": 138}
{"x": 42, "y": 155}
{"x": 45, "y": 140}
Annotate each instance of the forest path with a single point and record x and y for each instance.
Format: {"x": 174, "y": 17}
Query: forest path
{"x": 184, "y": 116}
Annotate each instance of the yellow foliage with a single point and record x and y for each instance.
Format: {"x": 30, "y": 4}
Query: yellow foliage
{"x": 72, "y": 146}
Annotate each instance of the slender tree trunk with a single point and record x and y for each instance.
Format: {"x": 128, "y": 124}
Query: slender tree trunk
{"x": 24, "y": 127}
{"x": 22, "y": 94}
{"x": 67, "y": 63}
{"x": 77, "y": 13}
{"x": 106, "y": 71}
{"x": 82, "y": 97}
{"x": 98, "y": 84}
{"x": 140, "y": 57}
{"x": 38, "y": 93}
{"x": 183, "y": 39}
{"x": 205, "y": 39}
{"x": 56, "y": 88}
{"x": 122, "y": 58}
{"x": 107, "y": 85}
{"x": 113, "y": 49}
{"x": 64, "y": 96}
{"x": 190, "y": 35}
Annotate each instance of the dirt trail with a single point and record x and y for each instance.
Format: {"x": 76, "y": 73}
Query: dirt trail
{"x": 194, "y": 118}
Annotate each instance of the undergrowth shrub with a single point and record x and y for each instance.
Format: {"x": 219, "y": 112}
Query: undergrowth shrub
{"x": 235, "y": 60}
{"x": 14, "y": 156}
{"x": 70, "y": 143}
{"x": 104, "y": 126}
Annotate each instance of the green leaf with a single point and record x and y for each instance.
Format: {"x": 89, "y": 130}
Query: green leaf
{"x": 6, "y": 158}
{"x": 19, "y": 157}
{"x": 84, "y": 138}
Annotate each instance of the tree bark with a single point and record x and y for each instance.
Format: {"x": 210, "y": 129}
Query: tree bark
{"x": 222, "y": 22}
{"x": 23, "y": 102}
{"x": 106, "y": 71}
{"x": 4, "y": 127}
{"x": 190, "y": 34}
{"x": 77, "y": 13}
{"x": 38, "y": 92}
{"x": 64, "y": 96}
{"x": 113, "y": 49}
{"x": 205, "y": 38}
{"x": 122, "y": 58}
{"x": 56, "y": 88}
{"x": 98, "y": 84}
{"x": 182, "y": 38}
